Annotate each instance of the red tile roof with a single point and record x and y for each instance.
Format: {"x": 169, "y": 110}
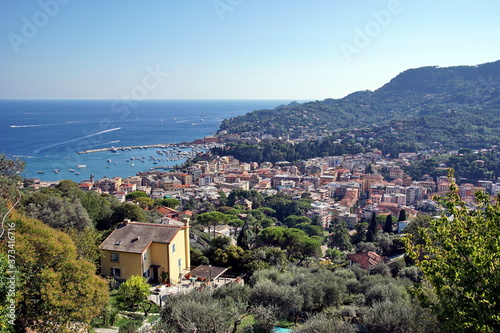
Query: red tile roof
{"x": 367, "y": 259}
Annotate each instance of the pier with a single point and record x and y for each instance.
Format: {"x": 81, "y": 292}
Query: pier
{"x": 159, "y": 145}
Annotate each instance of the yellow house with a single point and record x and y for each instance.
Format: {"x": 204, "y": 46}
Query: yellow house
{"x": 147, "y": 250}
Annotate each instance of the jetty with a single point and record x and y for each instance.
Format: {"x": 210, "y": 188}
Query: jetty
{"x": 159, "y": 145}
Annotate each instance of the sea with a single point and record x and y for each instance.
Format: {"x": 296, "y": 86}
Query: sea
{"x": 48, "y": 134}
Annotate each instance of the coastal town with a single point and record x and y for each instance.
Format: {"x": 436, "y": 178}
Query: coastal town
{"x": 345, "y": 188}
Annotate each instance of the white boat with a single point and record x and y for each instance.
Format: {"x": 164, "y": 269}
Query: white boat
{"x": 77, "y": 173}
{"x": 108, "y": 160}
{"x": 40, "y": 172}
{"x": 57, "y": 170}
{"x": 71, "y": 170}
{"x": 81, "y": 166}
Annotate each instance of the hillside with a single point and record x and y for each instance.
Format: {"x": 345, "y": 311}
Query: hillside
{"x": 451, "y": 107}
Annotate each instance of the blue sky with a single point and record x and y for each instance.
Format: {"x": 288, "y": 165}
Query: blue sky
{"x": 233, "y": 49}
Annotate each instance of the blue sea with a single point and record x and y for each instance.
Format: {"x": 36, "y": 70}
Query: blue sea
{"x": 47, "y": 134}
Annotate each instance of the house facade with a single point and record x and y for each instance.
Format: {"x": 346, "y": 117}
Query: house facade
{"x": 147, "y": 250}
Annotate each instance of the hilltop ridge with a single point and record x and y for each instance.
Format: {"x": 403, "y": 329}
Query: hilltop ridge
{"x": 445, "y": 98}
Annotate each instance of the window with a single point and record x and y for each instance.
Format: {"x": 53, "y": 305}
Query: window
{"x": 146, "y": 273}
{"x": 115, "y": 272}
{"x": 145, "y": 256}
{"x": 173, "y": 248}
{"x": 179, "y": 262}
{"x": 115, "y": 257}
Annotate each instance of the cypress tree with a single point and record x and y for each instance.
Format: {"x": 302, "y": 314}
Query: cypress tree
{"x": 388, "y": 224}
{"x": 402, "y": 215}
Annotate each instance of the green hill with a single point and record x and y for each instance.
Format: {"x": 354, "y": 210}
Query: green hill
{"x": 427, "y": 107}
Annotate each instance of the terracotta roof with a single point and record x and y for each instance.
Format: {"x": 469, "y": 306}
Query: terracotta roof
{"x": 163, "y": 210}
{"x": 367, "y": 259}
{"x": 135, "y": 237}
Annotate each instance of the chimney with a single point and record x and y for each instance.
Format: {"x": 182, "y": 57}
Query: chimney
{"x": 185, "y": 220}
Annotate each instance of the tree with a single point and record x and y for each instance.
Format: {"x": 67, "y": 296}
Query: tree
{"x": 339, "y": 238}
{"x": 372, "y": 228}
{"x": 199, "y": 312}
{"x": 235, "y": 223}
{"x": 98, "y": 207}
{"x": 402, "y": 215}
{"x": 136, "y": 194}
{"x": 212, "y": 219}
{"x": 134, "y": 291}
{"x": 7, "y": 288}
{"x": 60, "y": 213}
{"x": 324, "y": 323}
{"x": 69, "y": 188}
{"x": 459, "y": 254}
{"x": 388, "y": 224}
{"x": 127, "y": 211}
{"x": 360, "y": 235}
{"x": 168, "y": 202}
{"x": 56, "y": 289}
{"x": 87, "y": 243}
{"x": 292, "y": 220}
{"x": 144, "y": 202}
{"x": 399, "y": 316}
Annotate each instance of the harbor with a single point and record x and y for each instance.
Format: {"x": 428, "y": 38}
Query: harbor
{"x": 159, "y": 145}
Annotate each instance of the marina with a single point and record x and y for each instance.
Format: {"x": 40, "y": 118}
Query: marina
{"x": 116, "y": 149}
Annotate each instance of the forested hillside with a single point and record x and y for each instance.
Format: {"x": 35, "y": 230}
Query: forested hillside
{"x": 453, "y": 107}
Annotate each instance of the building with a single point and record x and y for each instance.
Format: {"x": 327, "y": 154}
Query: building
{"x": 146, "y": 250}
{"x": 367, "y": 259}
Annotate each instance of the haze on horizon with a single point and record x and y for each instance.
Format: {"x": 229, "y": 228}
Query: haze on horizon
{"x": 232, "y": 49}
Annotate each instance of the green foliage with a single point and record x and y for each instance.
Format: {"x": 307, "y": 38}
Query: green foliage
{"x": 55, "y": 288}
{"x": 285, "y": 207}
{"x": 212, "y": 219}
{"x": 325, "y": 323}
{"x": 6, "y": 295}
{"x": 136, "y": 194}
{"x": 389, "y": 223}
{"x": 125, "y": 211}
{"x": 134, "y": 291}
{"x": 169, "y": 202}
{"x": 99, "y": 207}
{"x": 198, "y": 312}
{"x": 87, "y": 243}
{"x": 60, "y": 213}
{"x": 292, "y": 220}
{"x": 424, "y": 108}
{"x": 399, "y": 316}
{"x": 296, "y": 242}
{"x": 459, "y": 254}
{"x": 339, "y": 238}
{"x": 360, "y": 235}
{"x": 402, "y": 215}
{"x": 144, "y": 202}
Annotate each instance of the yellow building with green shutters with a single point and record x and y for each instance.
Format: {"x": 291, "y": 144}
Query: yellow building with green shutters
{"x": 147, "y": 250}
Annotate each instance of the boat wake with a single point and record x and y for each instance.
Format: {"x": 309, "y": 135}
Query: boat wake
{"x": 78, "y": 139}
